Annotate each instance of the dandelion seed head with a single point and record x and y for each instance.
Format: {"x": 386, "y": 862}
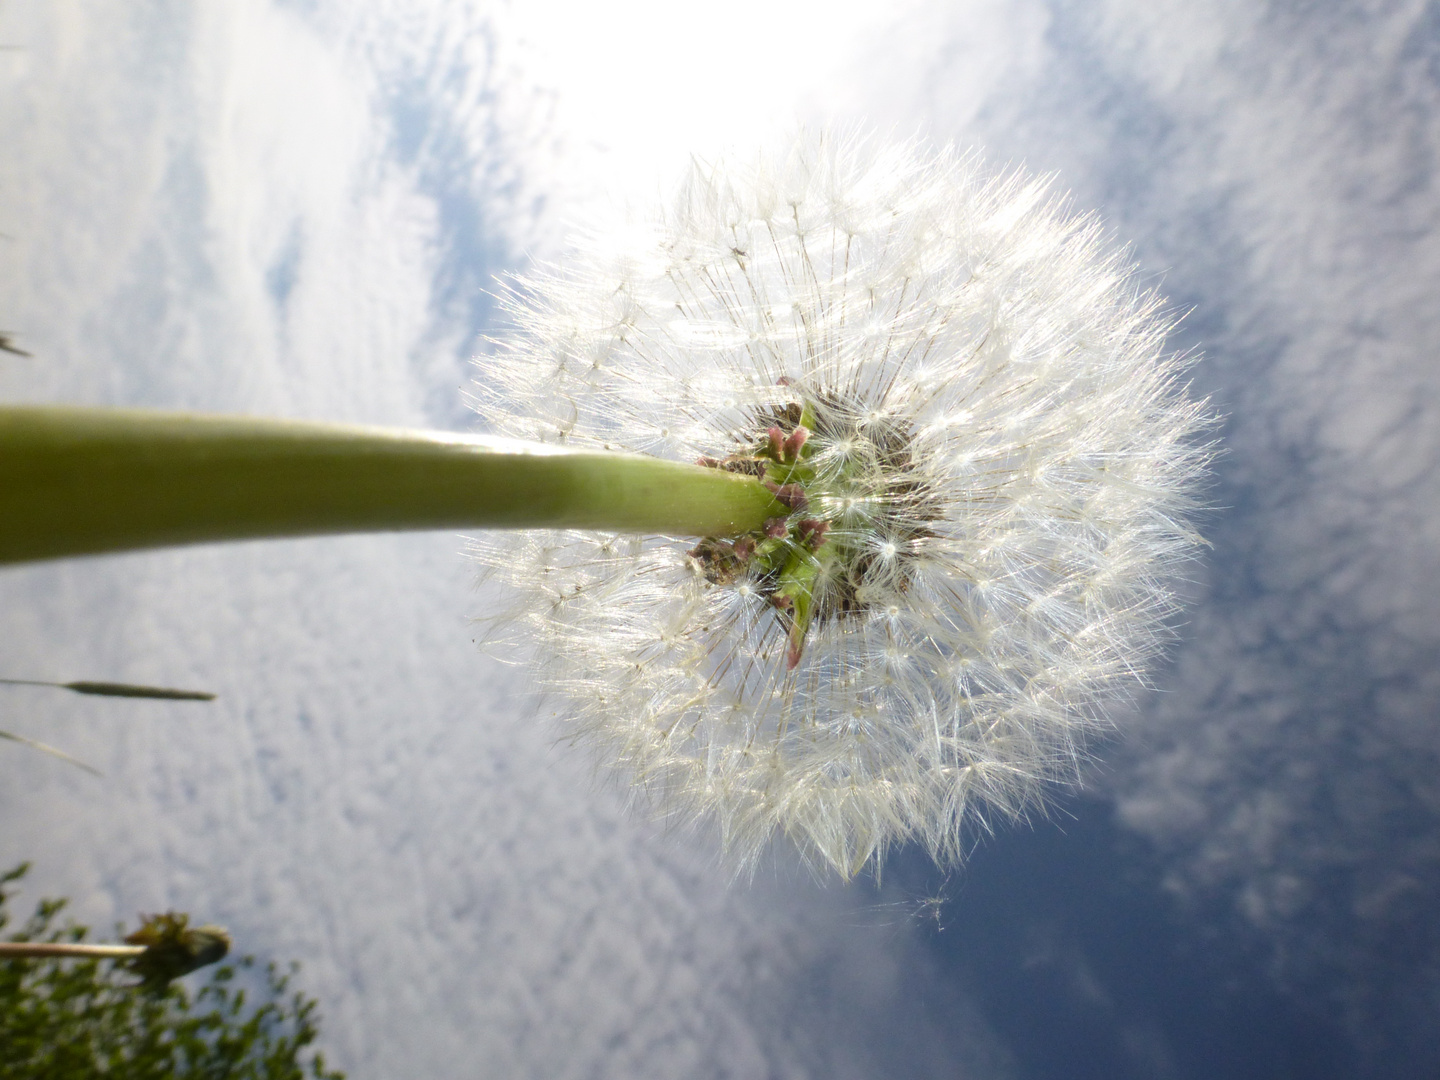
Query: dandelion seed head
{"x": 997, "y": 458}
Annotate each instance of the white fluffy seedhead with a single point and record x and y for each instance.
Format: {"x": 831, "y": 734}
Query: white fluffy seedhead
{"x": 1000, "y": 447}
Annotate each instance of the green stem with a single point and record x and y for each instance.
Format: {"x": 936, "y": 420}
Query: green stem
{"x": 77, "y": 481}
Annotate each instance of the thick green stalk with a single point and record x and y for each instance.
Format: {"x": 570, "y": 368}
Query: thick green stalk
{"x": 76, "y": 481}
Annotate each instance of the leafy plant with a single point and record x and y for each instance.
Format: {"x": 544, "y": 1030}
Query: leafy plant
{"x": 66, "y": 1019}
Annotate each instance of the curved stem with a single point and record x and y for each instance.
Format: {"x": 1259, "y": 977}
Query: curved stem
{"x": 10, "y": 736}
{"x": 76, "y": 481}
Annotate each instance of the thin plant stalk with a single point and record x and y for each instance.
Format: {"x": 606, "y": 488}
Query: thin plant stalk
{"x": 165, "y": 948}
{"x": 76, "y": 950}
{"x": 45, "y": 748}
{"x": 78, "y": 481}
{"x": 98, "y": 689}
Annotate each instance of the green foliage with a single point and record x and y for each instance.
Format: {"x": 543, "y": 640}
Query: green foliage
{"x": 74, "y": 1020}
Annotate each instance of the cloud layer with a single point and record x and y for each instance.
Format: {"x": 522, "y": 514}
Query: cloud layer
{"x": 293, "y": 210}
{"x": 1276, "y": 163}
{"x": 271, "y": 211}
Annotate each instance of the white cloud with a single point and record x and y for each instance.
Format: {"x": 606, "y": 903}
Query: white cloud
{"x": 1276, "y": 163}
{"x": 291, "y": 210}
{"x": 245, "y": 209}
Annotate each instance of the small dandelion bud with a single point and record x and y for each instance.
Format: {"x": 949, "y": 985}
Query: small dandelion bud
{"x": 790, "y": 450}
{"x": 173, "y": 948}
{"x": 812, "y": 532}
{"x": 791, "y": 495}
{"x": 165, "y": 948}
{"x": 777, "y": 442}
{"x": 987, "y": 457}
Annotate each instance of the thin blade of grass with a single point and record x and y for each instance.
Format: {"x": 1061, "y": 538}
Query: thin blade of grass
{"x": 115, "y": 689}
{"x": 112, "y": 689}
{"x": 44, "y": 749}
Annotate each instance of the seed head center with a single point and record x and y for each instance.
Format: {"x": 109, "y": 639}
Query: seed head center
{"x": 822, "y": 457}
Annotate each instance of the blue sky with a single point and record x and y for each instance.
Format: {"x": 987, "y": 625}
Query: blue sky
{"x": 296, "y": 209}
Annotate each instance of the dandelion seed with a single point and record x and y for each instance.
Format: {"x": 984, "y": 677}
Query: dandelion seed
{"x": 988, "y": 457}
